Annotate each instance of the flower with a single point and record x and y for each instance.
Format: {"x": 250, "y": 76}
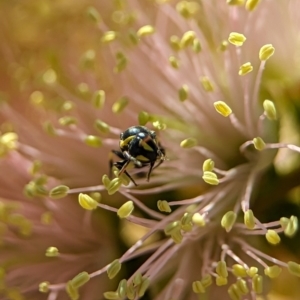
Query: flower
{"x": 203, "y": 76}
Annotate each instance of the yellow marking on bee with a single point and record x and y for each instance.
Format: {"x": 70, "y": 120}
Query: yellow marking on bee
{"x": 142, "y": 158}
{"x": 146, "y": 146}
{"x": 125, "y": 142}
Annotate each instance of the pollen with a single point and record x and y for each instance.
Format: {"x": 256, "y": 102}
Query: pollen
{"x": 236, "y": 39}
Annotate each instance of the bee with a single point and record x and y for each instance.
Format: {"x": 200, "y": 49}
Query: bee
{"x": 138, "y": 146}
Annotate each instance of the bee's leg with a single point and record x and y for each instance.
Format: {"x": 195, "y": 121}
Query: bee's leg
{"x": 130, "y": 178}
{"x": 131, "y": 158}
{"x": 150, "y": 170}
{"x": 111, "y": 162}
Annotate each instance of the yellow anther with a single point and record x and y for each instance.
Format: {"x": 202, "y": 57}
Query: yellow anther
{"x": 114, "y": 268}
{"x": 222, "y": 108}
{"x": 52, "y": 252}
{"x": 242, "y": 285}
{"x": 272, "y": 237}
{"x": 187, "y": 9}
{"x": 187, "y": 39}
{"x": 208, "y": 165}
{"x": 109, "y": 36}
{"x": 175, "y": 43}
{"x": 120, "y": 105}
{"x": 143, "y": 118}
{"x": 101, "y": 126}
{"x": 143, "y": 287}
{"x": 259, "y": 144}
{"x": 252, "y": 4}
{"x": 273, "y": 271}
{"x": 93, "y": 14}
{"x": 67, "y": 121}
{"x": 224, "y": 46}
{"x": 239, "y": 271}
{"x": 207, "y": 84}
{"x": 206, "y": 280}
{"x": 210, "y": 178}
{"x": 93, "y": 141}
{"x": 80, "y": 280}
{"x": 177, "y": 237}
{"x": 106, "y": 181}
{"x": 112, "y": 295}
{"x": 87, "y": 202}
{"x": 59, "y": 191}
{"x": 174, "y": 62}
{"x": 122, "y": 288}
{"x": 249, "y": 219}
{"x": 196, "y": 46}
{"x": 235, "y": 2}
{"x": 71, "y": 291}
{"x": 44, "y": 287}
{"x": 125, "y": 210}
{"x": 198, "y": 220}
{"x": 188, "y": 143}
{"x": 172, "y": 227}
{"x": 294, "y": 268}
{"x": 236, "y": 39}
{"x": 145, "y": 30}
{"x": 245, "y": 69}
{"x": 266, "y": 52}
{"x": 257, "y": 284}
{"x": 198, "y": 287}
{"x": 228, "y": 220}
{"x": 270, "y": 110}
{"x": 98, "y": 99}
{"x": 252, "y": 271}
{"x": 163, "y": 206}
{"x": 183, "y": 92}
{"x": 291, "y": 227}
{"x": 220, "y": 281}
{"x": 121, "y": 62}
{"x": 221, "y": 269}
{"x": 37, "y": 98}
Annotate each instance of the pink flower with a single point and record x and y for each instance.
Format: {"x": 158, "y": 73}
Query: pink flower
{"x": 210, "y": 78}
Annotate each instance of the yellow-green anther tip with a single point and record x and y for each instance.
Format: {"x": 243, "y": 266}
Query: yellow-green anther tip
{"x": 183, "y": 93}
{"x": 222, "y": 108}
{"x": 143, "y": 118}
{"x": 98, "y": 98}
{"x": 111, "y": 295}
{"x": 93, "y": 141}
{"x": 52, "y": 252}
{"x": 174, "y": 62}
{"x": 120, "y": 105}
{"x": 210, "y": 178}
{"x": 87, "y": 202}
{"x": 198, "y": 220}
{"x": 163, "y": 206}
{"x": 59, "y": 192}
{"x": 106, "y": 181}
{"x": 125, "y": 210}
{"x": 272, "y": 237}
{"x": 145, "y": 30}
{"x": 109, "y": 36}
{"x": 239, "y": 270}
{"x": 235, "y": 2}
{"x": 291, "y": 226}
{"x": 114, "y": 185}
{"x": 272, "y": 271}
{"x": 259, "y": 144}
{"x": 187, "y": 9}
{"x": 198, "y": 287}
{"x": 80, "y": 279}
{"x": 188, "y": 143}
{"x": 251, "y": 4}
{"x": 208, "y": 165}
{"x": 228, "y": 220}
{"x": 257, "y": 283}
{"x": 249, "y": 219}
{"x": 270, "y": 109}
{"x": 245, "y": 69}
{"x": 242, "y": 285}
{"x": 221, "y": 269}
{"x": 266, "y": 52}
{"x": 137, "y": 279}
{"x": 206, "y": 280}
{"x": 220, "y": 281}
{"x": 93, "y": 14}
{"x": 44, "y": 287}
{"x": 143, "y": 287}
{"x": 187, "y": 39}
{"x": 101, "y": 126}
{"x": 207, "y": 84}
{"x": 114, "y": 269}
{"x": 252, "y": 271}
{"x": 72, "y": 291}
{"x": 294, "y": 268}
{"x": 236, "y": 39}
{"x": 172, "y": 227}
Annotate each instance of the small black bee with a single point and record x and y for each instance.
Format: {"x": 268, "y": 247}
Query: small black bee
{"x": 140, "y": 146}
